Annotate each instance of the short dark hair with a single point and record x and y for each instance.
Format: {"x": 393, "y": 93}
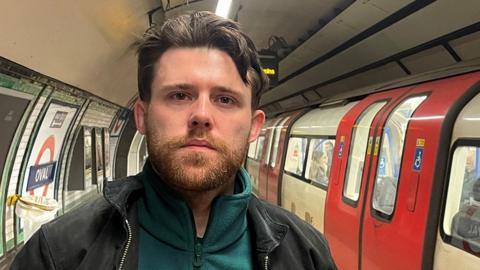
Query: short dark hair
{"x": 200, "y": 29}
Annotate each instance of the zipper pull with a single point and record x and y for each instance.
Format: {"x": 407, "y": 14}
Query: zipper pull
{"x": 265, "y": 262}
{"x": 197, "y": 259}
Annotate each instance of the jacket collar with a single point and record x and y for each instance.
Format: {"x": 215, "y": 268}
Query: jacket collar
{"x": 267, "y": 231}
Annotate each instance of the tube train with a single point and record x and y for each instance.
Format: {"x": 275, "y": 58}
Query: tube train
{"x": 389, "y": 176}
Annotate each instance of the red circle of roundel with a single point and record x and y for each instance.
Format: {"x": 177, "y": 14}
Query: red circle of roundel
{"x": 49, "y": 144}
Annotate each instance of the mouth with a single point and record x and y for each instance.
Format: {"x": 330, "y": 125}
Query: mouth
{"x": 197, "y": 144}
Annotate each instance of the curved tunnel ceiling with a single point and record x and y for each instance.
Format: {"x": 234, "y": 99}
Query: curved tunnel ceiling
{"x": 87, "y": 44}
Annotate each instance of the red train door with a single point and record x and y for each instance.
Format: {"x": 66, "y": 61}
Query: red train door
{"x": 270, "y": 164}
{"x": 396, "y": 232}
{"x": 274, "y": 165}
{"x": 346, "y": 192}
{"x": 264, "y": 161}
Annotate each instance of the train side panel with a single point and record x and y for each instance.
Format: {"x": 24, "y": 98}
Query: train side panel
{"x": 308, "y": 163}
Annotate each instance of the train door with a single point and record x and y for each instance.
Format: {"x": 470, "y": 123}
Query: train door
{"x": 399, "y": 220}
{"x": 273, "y": 165}
{"x": 271, "y": 135}
{"x": 382, "y": 185}
{"x": 252, "y": 163}
{"x": 346, "y": 196}
{"x": 272, "y": 168}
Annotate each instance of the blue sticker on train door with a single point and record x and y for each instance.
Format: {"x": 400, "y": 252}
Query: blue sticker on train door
{"x": 340, "y": 150}
{"x": 382, "y": 170}
{"x": 340, "y": 147}
{"x": 417, "y": 161}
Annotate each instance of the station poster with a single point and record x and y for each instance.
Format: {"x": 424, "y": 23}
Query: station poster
{"x": 43, "y": 161}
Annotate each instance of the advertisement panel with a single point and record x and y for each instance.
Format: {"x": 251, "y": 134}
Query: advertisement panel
{"x": 43, "y": 161}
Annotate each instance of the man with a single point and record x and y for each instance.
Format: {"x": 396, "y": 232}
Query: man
{"x": 191, "y": 207}
{"x": 466, "y": 222}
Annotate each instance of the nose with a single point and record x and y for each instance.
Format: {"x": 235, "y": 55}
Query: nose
{"x": 201, "y": 114}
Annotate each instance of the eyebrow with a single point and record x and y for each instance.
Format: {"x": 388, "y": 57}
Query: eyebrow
{"x": 183, "y": 86}
{"x": 228, "y": 90}
{"x": 186, "y": 86}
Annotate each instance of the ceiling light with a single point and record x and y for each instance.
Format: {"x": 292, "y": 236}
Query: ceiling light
{"x": 223, "y": 8}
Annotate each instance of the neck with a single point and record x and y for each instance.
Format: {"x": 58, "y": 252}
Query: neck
{"x": 200, "y": 202}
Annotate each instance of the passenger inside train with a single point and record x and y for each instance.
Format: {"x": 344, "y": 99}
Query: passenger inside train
{"x": 466, "y": 222}
{"x": 191, "y": 207}
{"x": 321, "y": 159}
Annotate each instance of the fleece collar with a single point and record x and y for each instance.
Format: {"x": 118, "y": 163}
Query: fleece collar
{"x": 169, "y": 219}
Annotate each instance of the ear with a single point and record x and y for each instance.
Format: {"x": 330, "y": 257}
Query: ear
{"x": 258, "y": 120}
{"x": 140, "y": 113}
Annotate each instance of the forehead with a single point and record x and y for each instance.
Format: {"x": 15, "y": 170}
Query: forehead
{"x": 201, "y": 65}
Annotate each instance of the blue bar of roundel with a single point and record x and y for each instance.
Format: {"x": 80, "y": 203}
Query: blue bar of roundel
{"x": 41, "y": 175}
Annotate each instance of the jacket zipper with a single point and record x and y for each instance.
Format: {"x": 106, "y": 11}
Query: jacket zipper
{"x": 265, "y": 262}
{"x": 129, "y": 240}
{"x": 198, "y": 253}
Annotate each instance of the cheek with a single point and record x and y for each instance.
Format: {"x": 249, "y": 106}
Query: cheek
{"x": 241, "y": 132}
{"x": 165, "y": 124}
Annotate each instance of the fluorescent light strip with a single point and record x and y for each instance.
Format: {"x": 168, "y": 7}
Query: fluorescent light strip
{"x": 223, "y": 8}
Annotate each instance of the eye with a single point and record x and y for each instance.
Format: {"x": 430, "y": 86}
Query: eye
{"x": 226, "y": 100}
{"x": 179, "y": 96}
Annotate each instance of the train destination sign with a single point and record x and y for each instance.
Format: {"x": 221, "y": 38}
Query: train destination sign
{"x": 41, "y": 175}
{"x": 269, "y": 62}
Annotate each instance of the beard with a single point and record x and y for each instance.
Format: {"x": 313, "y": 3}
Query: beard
{"x": 192, "y": 170}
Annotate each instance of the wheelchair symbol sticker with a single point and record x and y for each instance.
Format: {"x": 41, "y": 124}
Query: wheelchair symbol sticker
{"x": 417, "y": 161}
{"x": 340, "y": 150}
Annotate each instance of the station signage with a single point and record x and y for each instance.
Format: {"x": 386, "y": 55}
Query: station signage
{"x": 45, "y": 153}
{"x": 41, "y": 175}
{"x": 269, "y": 63}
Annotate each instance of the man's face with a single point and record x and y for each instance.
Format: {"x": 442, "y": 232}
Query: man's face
{"x": 328, "y": 147}
{"x": 199, "y": 120}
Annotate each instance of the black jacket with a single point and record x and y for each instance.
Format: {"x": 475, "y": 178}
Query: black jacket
{"x": 102, "y": 235}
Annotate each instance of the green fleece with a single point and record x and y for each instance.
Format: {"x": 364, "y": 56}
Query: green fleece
{"x": 168, "y": 235}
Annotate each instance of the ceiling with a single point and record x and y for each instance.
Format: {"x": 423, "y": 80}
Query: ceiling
{"x": 329, "y": 47}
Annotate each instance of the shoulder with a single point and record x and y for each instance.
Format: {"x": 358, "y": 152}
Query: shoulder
{"x": 64, "y": 241}
{"x": 79, "y": 227}
{"x": 296, "y": 238}
{"x": 278, "y": 215}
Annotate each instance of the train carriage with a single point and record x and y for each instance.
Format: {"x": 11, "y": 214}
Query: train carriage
{"x": 382, "y": 195}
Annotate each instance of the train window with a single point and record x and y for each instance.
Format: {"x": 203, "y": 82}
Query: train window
{"x": 252, "y": 148}
{"x": 258, "y": 151}
{"x": 391, "y": 149}
{"x": 295, "y": 155}
{"x": 319, "y": 160}
{"x": 276, "y": 140}
{"x": 358, "y": 146}
{"x": 461, "y": 221}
